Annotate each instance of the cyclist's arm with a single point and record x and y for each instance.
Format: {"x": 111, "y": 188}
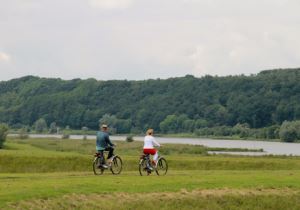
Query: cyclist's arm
{"x": 108, "y": 141}
{"x": 155, "y": 142}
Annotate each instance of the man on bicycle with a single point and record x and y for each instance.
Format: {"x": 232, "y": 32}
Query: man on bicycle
{"x": 103, "y": 143}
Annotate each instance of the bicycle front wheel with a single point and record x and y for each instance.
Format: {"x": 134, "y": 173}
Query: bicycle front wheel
{"x": 116, "y": 165}
{"x": 161, "y": 166}
{"x": 96, "y": 164}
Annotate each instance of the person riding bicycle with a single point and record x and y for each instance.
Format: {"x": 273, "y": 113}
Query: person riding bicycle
{"x": 149, "y": 143}
{"x": 103, "y": 143}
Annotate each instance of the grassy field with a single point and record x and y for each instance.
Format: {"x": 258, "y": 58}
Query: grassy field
{"x": 57, "y": 174}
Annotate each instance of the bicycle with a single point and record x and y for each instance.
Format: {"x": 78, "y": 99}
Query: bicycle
{"x": 115, "y": 165}
{"x": 146, "y": 166}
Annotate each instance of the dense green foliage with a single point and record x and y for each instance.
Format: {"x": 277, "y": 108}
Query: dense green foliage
{"x": 173, "y": 105}
{"x": 290, "y": 131}
{"x": 3, "y": 133}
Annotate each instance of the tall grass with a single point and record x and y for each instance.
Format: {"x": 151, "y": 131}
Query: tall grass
{"x": 217, "y": 200}
{"x": 52, "y": 155}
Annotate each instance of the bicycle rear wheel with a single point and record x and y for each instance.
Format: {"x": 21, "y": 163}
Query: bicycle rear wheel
{"x": 161, "y": 166}
{"x": 116, "y": 165}
{"x": 143, "y": 169}
{"x": 96, "y": 164}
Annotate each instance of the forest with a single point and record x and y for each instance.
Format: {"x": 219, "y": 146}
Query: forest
{"x": 176, "y": 105}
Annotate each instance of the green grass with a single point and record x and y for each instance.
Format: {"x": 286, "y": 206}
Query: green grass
{"x": 18, "y": 187}
{"x": 181, "y": 200}
{"x": 52, "y": 155}
{"x": 57, "y": 174}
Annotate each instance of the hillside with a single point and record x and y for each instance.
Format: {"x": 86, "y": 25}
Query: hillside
{"x": 261, "y": 100}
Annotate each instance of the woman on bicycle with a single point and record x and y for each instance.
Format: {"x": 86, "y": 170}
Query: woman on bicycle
{"x": 149, "y": 143}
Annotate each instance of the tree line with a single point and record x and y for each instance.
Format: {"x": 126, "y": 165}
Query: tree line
{"x": 176, "y": 105}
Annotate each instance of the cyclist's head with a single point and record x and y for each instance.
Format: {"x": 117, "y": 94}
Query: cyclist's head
{"x": 150, "y": 131}
{"x": 104, "y": 127}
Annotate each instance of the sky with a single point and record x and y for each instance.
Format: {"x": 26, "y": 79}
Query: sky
{"x": 142, "y": 39}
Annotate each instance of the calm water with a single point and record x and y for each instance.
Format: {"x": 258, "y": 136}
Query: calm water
{"x": 270, "y": 148}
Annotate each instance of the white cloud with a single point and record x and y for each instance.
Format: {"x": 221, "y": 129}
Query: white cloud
{"x": 103, "y": 39}
{"x": 111, "y": 4}
{"x": 4, "y": 57}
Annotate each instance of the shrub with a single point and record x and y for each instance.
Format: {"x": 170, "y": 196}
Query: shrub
{"x": 66, "y": 133}
{"x": 129, "y": 138}
{"x": 40, "y": 125}
{"x": 84, "y": 131}
{"x": 3, "y": 133}
{"x": 23, "y": 134}
{"x": 53, "y": 128}
{"x": 288, "y": 131}
{"x": 272, "y": 132}
{"x": 65, "y": 136}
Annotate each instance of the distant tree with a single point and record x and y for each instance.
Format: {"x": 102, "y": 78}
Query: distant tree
{"x": 288, "y": 131}
{"x": 123, "y": 126}
{"x": 169, "y": 124}
{"x": 53, "y": 128}
{"x": 222, "y": 131}
{"x": 23, "y": 133}
{"x": 66, "y": 133}
{"x": 241, "y": 129}
{"x": 110, "y": 120}
{"x": 3, "y": 134}
{"x": 84, "y": 129}
{"x": 272, "y": 132}
{"x": 201, "y": 123}
{"x": 40, "y": 125}
{"x": 262, "y": 100}
{"x": 188, "y": 125}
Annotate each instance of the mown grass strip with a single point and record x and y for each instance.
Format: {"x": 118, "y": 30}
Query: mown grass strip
{"x": 197, "y": 199}
{"x": 17, "y": 187}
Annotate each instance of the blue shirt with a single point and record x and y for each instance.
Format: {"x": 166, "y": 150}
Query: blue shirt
{"x": 102, "y": 141}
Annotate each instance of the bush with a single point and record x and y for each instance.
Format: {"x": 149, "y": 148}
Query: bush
{"x": 3, "y": 133}
{"x": 288, "y": 131}
{"x": 84, "y": 131}
{"x": 242, "y": 130}
{"x": 23, "y": 134}
{"x": 66, "y": 133}
{"x": 129, "y": 138}
{"x": 65, "y": 136}
{"x": 40, "y": 125}
{"x": 53, "y": 128}
{"x": 272, "y": 132}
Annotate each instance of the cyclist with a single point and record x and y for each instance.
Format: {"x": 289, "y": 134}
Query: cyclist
{"x": 103, "y": 143}
{"x": 149, "y": 143}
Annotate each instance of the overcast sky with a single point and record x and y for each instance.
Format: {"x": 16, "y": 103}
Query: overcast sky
{"x": 141, "y": 39}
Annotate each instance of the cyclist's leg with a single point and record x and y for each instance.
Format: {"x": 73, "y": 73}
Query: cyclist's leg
{"x": 155, "y": 157}
{"x": 102, "y": 159}
{"x": 110, "y": 152}
{"x": 150, "y": 151}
